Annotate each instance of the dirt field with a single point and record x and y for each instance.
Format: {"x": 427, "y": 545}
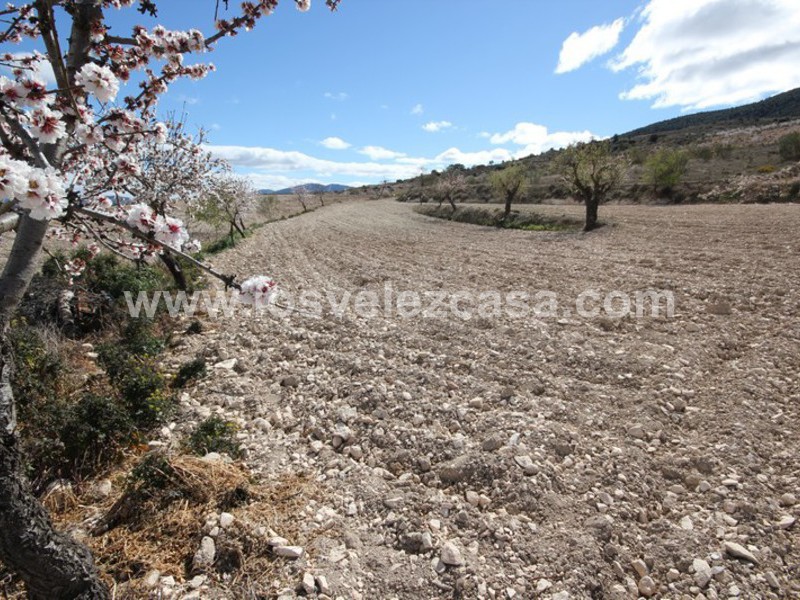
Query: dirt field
{"x": 504, "y": 457}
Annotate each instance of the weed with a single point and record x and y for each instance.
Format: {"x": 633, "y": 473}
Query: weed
{"x": 194, "y": 369}
{"x": 214, "y": 435}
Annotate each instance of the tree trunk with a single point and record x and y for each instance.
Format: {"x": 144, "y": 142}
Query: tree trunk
{"x": 452, "y": 203}
{"x": 178, "y": 276}
{"x": 239, "y": 224}
{"x": 591, "y": 214}
{"x": 507, "y": 210}
{"x": 52, "y": 565}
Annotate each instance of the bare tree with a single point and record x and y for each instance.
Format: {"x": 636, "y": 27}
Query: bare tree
{"x": 450, "y": 185}
{"x": 302, "y": 196}
{"x": 591, "y": 172}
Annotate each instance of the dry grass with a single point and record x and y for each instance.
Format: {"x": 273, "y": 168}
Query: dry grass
{"x": 137, "y": 532}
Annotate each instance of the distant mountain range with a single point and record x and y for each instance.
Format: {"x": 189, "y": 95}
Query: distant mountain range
{"x": 311, "y": 188}
{"x": 782, "y": 107}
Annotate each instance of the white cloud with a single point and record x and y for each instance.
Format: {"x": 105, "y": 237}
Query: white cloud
{"x": 282, "y": 161}
{"x": 43, "y": 69}
{"x": 337, "y": 96}
{"x": 703, "y": 53}
{"x": 436, "y": 126}
{"x": 580, "y": 48}
{"x": 267, "y": 165}
{"x": 536, "y": 139}
{"x": 380, "y": 153}
{"x": 264, "y": 181}
{"x": 335, "y": 143}
{"x": 417, "y": 110}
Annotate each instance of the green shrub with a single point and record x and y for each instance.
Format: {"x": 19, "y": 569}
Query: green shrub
{"x": 214, "y": 435}
{"x": 794, "y": 190}
{"x": 106, "y": 274}
{"x": 666, "y": 167}
{"x": 704, "y": 153}
{"x": 194, "y": 369}
{"x": 491, "y": 217}
{"x": 789, "y": 146}
{"x": 93, "y": 430}
{"x": 142, "y": 387}
{"x": 38, "y": 365}
{"x": 765, "y": 169}
{"x": 152, "y": 476}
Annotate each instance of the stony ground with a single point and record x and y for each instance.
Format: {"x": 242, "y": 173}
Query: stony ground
{"x": 501, "y": 457}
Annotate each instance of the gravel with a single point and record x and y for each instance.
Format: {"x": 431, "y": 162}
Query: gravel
{"x": 466, "y": 458}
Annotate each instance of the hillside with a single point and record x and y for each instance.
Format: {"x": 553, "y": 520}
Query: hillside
{"x": 733, "y": 156}
{"x": 782, "y": 107}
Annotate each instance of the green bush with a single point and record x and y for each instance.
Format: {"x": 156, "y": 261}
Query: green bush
{"x": 723, "y": 151}
{"x": 94, "y": 429}
{"x": 194, "y": 369}
{"x": 704, "y": 153}
{"x": 491, "y": 217}
{"x": 38, "y": 365}
{"x": 152, "y": 476}
{"x": 766, "y": 169}
{"x": 142, "y": 387}
{"x": 789, "y": 146}
{"x": 214, "y": 435}
{"x": 106, "y": 274}
{"x": 666, "y": 167}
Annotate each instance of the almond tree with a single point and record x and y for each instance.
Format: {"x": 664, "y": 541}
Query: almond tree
{"x": 510, "y": 183}
{"x": 67, "y": 153}
{"x": 591, "y": 172}
{"x": 176, "y": 172}
{"x": 450, "y": 185}
{"x": 225, "y": 200}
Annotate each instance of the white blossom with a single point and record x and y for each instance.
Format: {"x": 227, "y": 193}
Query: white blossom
{"x": 193, "y": 246}
{"x": 47, "y": 125}
{"x": 99, "y": 81}
{"x": 13, "y": 177}
{"x": 141, "y": 217}
{"x": 258, "y": 291}
{"x": 171, "y": 232}
{"x": 44, "y": 195}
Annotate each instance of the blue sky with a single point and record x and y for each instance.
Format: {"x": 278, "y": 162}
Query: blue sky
{"x": 383, "y": 89}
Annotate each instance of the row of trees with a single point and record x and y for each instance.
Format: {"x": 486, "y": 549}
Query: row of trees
{"x": 591, "y": 171}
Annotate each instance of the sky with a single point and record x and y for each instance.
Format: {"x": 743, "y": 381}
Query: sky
{"x": 385, "y": 89}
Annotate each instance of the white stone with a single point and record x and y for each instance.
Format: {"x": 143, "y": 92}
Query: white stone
{"x": 226, "y": 364}
{"x": 309, "y": 584}
{"x": 702, "y": 572}
{"x": 226, "y": 520}
{"x": 289, "y": 551}
{"x": 738, "y": 551}
{"x": 451, "y": 555}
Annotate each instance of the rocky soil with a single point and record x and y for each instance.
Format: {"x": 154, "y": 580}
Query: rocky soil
{"x": 498, "y": 457}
